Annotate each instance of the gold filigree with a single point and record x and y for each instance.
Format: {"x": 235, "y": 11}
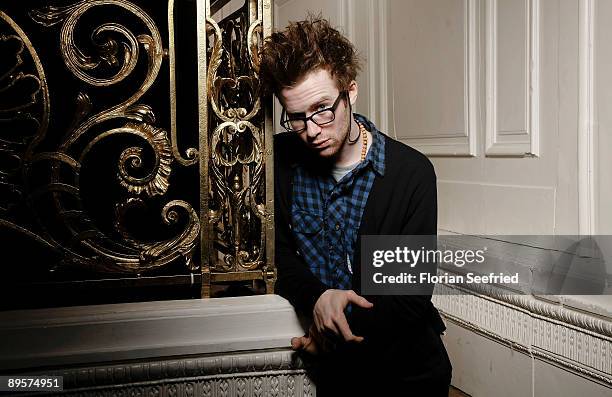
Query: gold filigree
{"x": 234, "y": 157}
{"x": 183, "y": 243}
{"x": 79, "y": 63}
{"x": 108, "y": 49}
{"x": 24, "y": 113}
{"x": 153, "y": 255}
{"x": 157, "y": 181}
{"x": 192, "y": 154}
{"x": 217, "y": 84}
{"x": 254, "y": 36}
{"x": 238, "y": 213}
{"x": 83, "y": 109}
{"x": 129, "y": 255}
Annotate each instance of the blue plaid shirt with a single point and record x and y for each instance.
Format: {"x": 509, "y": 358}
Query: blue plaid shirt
{"x": 326, "y": 214}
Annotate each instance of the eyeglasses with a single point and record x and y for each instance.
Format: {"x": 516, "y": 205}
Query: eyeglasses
{"x": 320, "y": 117}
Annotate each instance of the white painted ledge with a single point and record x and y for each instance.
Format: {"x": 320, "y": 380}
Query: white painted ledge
{"x": 534, "y": 259}
{"x": 139, "y": 331}
{"x": 600, "y": 305}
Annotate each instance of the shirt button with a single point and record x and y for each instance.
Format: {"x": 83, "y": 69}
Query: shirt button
{"x": 337, "y": 226}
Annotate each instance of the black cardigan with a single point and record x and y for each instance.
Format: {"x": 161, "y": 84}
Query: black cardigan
{"x": 401, "y": 202}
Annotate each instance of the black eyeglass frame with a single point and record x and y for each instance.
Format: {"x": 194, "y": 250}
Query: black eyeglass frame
{"x": 284, "y": 122}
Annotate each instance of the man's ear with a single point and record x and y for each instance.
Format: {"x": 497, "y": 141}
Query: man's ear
{"x": 353, "y": 90}
{"x": 279, "y": 96}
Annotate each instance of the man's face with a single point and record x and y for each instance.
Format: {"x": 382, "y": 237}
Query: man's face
{"x": 316, "y": 91}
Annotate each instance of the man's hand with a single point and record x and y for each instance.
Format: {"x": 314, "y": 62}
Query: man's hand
{"x": 329, "y": 315}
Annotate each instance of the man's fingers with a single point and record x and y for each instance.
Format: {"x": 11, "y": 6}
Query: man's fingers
{"x": 345, "y": 330}
{"x": 328, "y": 314}
{"x": 359, "y": 300}
{"x": 310, "y": 346}
{"x": 318, "y": 322}
{"x": 297, "y": 343}
{"x": 304, "y": 343}
{"x": 330, "y": 327}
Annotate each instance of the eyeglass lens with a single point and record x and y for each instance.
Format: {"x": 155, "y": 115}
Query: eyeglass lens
{"x": 321, "y": 117}
{"x": 324, "y": 117}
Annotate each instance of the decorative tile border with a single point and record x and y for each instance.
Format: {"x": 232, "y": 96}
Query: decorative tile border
{"x": 261, "y": 373}
{"x": 573, "y": 340}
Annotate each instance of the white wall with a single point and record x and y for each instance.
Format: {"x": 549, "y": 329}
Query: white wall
{"x": 603, "y": 116}
{"x": 516, "y": 106}
{"x": 490, "y": 88}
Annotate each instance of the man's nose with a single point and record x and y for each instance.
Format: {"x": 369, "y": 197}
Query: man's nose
{"x": 312, "y": 129}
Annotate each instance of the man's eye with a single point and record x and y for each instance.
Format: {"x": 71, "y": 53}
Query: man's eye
{"x": 321, "y": 107}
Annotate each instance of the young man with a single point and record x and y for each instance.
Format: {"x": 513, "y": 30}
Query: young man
{"x": 338, "y": 178}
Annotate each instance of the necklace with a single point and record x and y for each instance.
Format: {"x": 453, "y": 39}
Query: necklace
{"x": 364, "y": 144}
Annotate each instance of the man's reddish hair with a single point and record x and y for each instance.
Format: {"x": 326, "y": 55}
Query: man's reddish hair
{"x": 303, "y": 47}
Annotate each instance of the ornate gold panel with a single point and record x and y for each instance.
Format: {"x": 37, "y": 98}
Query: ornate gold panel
{"x": 239, "y": 203}
{"x": 134, "y": 148}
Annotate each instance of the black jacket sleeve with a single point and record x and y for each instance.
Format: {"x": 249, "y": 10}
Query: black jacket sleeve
{"x": 295, "y": 281}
